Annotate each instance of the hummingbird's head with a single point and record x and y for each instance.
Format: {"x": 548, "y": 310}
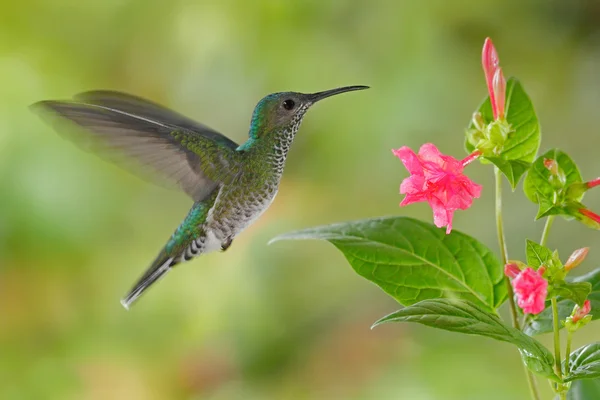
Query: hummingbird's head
{"x": 283, "y": 111}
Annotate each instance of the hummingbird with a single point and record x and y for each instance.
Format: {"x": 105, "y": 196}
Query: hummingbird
{"x": 231, "y": 185}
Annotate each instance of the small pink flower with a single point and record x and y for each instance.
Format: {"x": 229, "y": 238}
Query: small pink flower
{"x": 439, "y": 180}
{"x": 576, "y": 258}
{"x": 579, "y": 313}
{"x": 512, "y": 270}
{"x": 531, "y": 290}
{"x": 496, "y": 83}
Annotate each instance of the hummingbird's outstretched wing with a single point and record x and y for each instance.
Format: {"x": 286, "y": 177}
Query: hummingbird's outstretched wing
{"x": 122, "y": 127}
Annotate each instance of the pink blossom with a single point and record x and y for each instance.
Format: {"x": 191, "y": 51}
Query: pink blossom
{"x": 531, "y": 290}
{"x": 579, "y": 313}
{"x": 496, "y": 83}
{"x": 439, "y": 180}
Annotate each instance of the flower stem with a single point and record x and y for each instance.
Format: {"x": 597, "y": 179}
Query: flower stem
{"x": 557, "y": 358}
{"x": 503, "y": 248}
{"x": 568, "y": 352}
{"x": 504, "y": 254}
{"x": 546, "y": 231}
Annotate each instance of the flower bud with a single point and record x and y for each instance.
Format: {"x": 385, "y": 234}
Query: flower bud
{"x": 499, "y": 88}
{"x": 542, "y": 270}
{"x": 576, "y": 258}
{"x": 580, "y": 312}
{"x": 593, "y": 183}
{"x": 590, "y": 217}
{"x": 490, "y": 62}
{"x": 511, "y": 270}
{"x": 551, "y": 165}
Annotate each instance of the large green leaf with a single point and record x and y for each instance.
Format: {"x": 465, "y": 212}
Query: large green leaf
{"x": 413, "y": 260}
{"x": 522, "y": 143}
{"x": 542, "y": 323}
{"x": 465, "y": 317}
{"x": 584, "y": 389}
{"x": 584, "y": 363}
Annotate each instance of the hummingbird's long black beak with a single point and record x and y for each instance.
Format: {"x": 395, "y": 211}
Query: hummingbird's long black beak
{"x": 314, "y": 97}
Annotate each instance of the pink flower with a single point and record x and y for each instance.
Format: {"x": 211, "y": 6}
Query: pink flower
{"x": 531, "y": 290}
{"x": 496, "y": 83}
{"x": 439, "y": 180}
{"x": 579, "y": 313}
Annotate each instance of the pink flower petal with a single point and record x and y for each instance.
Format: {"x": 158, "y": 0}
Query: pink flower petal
{"x": 409, "y": 159}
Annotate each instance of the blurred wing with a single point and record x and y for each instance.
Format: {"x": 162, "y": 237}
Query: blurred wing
{"x": 127, "y": 128}
{"x": 137, "y": 106}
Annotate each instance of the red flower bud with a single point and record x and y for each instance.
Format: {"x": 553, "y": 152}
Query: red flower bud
{"x": 576, "y": 258}
{"x": 591, "y": 215}
{"x": 494, "y": 78}
{"x": 593, "y": 183}
{"x": 511, "y": 270}
{"x": 499, "y": 88}
{"x": 541, "y": 270}
{"x": 551, "y": 165}
{"x": 580, "y": 312}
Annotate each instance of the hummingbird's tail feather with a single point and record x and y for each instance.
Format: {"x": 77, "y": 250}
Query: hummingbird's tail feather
{"x": 157, "y": 270}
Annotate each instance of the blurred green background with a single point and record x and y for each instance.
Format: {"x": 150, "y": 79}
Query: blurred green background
{"x": 291, "y": 320}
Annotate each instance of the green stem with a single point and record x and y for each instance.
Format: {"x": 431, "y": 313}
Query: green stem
{"x": 568, "y": 352}
{"x": 503, "y": 248}
{"x": 504, "y": 254}
{"x": 557, "y": 358}
{"x": 546, "y": 231}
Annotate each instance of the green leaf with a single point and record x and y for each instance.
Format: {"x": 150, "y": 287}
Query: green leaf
{"x": 413, "y": 260}
{"x": 584, "y": 389}
{"x": 542, "y": 323}
{"x": 512, "y": 169}
{"x": 556, "y": 195}
{"x": 584, "y": 363}
{"x": 466, "y": 317}
{"x": 538, "y": 183}
{"x": 576, "y": 291}
{"x": 521, "y": 145}
{"x": 538, "y": 255}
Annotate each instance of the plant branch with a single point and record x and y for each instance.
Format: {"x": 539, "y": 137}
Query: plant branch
{"x": 503, "y": 247}
{"x": 568, "y": 352}
{"x": 546, "y": 231}
{"x": 504, "y": 254}
{"x": 557, "y": 357}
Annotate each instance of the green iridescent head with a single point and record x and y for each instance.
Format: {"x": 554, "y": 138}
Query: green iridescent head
{"x": 284, "y": 110}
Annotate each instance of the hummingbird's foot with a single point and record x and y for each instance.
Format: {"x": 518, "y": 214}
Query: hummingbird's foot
{"x": 225, "y": 245}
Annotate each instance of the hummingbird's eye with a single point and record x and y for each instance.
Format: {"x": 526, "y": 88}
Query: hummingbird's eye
{"x": 289, "y": 104}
